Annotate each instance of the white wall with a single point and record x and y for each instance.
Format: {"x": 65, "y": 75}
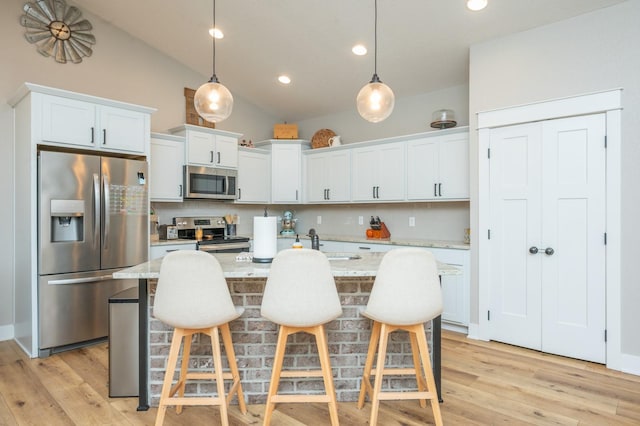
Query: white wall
{"x": 121, "y": 68}
{"x": 593, "y": 52}
{"x": 410, "y": 115}
{"x": 444, "y": 221}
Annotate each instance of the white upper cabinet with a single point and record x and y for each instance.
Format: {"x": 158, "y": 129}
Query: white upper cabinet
{"x": 68, "y": 121}
{"x": 209, "y": 147}
{"x": 377, "y": 172}
{"x": 122, "y": 130}
{"x": 254, "y": 176}
{"x": 327, "y": 176}
{"x": 286, "y": 173}
{"x": 438, "y": 167}
{"x": 76, "y": 122}
{"x": 166, "y": 168}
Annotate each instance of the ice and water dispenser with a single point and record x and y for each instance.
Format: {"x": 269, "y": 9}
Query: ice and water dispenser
{"x": 67, "y": 220}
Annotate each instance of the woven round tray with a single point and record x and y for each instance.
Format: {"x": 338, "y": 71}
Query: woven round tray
{"x": 321, "y": 138}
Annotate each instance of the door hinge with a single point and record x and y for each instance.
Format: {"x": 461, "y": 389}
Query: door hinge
{"x": 488, "y": 234}
{"x": 605, "y": 335}
{"x": 488, "y": 152}
{"x": 605, "y": 141}
{"x": 605, "y": 238}
{"x": 488, "y": 315}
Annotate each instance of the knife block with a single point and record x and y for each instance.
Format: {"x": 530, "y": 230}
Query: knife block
{"x": 379, "y": 234}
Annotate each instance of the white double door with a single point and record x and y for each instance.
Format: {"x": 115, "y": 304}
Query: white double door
{"x": 547, "y": 236}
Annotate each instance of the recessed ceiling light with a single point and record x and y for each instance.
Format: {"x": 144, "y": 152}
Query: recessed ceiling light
{"x": 359, "y": 50}
{"x": 214, "y": 32}
{"x": 476, "y": 4}
{"x": 284, "y": 79}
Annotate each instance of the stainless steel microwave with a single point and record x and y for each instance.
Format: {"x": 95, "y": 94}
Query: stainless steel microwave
{"x": 210, "y": 183}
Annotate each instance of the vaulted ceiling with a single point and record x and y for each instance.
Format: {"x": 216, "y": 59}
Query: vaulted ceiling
{"x": 423, "y": 45}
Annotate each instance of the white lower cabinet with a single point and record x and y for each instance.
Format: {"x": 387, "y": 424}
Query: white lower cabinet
{"x": 455, "y": 288}
{"x": 161, "y": 250}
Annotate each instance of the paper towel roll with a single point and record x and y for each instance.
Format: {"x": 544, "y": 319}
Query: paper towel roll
{"x": 265, "y": 242}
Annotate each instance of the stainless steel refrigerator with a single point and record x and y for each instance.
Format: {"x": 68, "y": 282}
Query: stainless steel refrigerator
{"x": 93, "y": 220}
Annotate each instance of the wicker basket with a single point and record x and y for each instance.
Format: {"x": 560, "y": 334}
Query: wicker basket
{"x": 321, "y": 138}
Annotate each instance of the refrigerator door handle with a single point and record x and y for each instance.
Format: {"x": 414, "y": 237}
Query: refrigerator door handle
{"x": 105, "y": 210}
{"x": 96, "y": 208}
{"x": 80, "y": 280}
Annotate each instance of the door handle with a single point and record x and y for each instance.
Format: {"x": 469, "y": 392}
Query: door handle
{"x": 328, "y": 194}
{"x": 548, "y": 251}
{"x": 106, "y": 209}
{"x": 180, "y": 190}
{"x": 92, "y": 135}
{"x": 377, "y": 192}
{"x": 104, "y": 136}
{"x": 218, "y": 157}
{"x": 96, "y": 209}
{"x": 373, "y": 192}
{"x": 435, "y": 189}
{"x": 239, "y": 193}
{"x": 211, "y": 152}
{"x": 440, "y": 190}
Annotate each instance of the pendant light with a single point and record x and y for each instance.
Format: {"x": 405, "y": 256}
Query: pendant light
{"x": 375, "y": 101}
{"x": 212, "y": 100}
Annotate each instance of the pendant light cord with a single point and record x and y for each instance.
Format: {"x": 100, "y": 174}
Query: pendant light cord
{"x": 214, "y": 78}
{"x": 375, "y": 38}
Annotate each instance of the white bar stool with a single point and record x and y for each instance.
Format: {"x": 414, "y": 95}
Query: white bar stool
{"x": 301, "y": 296}
{"x": 406, "y": 294}
{"x": 193, "y": 297}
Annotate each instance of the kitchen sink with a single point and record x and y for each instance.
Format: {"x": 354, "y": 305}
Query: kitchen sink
{"x": 342, "y": 256}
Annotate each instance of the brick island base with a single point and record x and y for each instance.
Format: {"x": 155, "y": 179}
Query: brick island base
{"x": 254, "y": 340}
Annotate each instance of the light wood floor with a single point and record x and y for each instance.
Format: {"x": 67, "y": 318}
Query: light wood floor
{"x": 484, "y": 384}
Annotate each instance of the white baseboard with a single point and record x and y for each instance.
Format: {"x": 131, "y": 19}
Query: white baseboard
{"x": 474, "y": 331}
{"x": 455, "y": 327}
{"x": 630, "y": 364}
{"x": 6, "y": 332}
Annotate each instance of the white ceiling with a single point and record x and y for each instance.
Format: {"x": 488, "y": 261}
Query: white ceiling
{"x": 423, "y": 45}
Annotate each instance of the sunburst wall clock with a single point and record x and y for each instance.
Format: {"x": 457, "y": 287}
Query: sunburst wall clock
{"x": 57, "y": 30}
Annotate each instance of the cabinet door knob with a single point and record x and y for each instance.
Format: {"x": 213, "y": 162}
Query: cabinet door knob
{"x": 533, "y": 250}
{"x": 549, "y": 251}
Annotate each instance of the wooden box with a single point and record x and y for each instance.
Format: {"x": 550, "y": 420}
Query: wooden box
{"x": 192, "y": 116}
{"x": 285, "y": 131}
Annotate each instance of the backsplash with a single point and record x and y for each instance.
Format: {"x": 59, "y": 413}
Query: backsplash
{"x": 433, "y": 221}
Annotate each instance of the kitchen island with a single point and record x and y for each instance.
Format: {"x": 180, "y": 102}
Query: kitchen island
{"x": 254, "y": 338}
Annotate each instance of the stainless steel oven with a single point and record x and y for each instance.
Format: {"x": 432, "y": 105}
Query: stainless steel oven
{"x": 210, "y": 183}
{"x": 214, "y": 238}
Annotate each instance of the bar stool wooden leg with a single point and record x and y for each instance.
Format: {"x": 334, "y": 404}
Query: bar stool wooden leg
{"x": 176, "y": 341}
{"x": 415, "y": 352}
{"x": 431, "y": 382}
{"x": 236, "y": 386}
{"x": 275, "y": 374}
{"x": 217, "y": 365}
{"x": 182, "y": 381}
{"x": 365, "y": 386}
{"x": 325, "y": 363}
{"x": 377, "y": 386}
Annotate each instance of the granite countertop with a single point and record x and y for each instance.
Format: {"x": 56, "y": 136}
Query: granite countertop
{"x": 365, "y": 265}
{"x": 392, "y": 241}
{"x": 350, "y": 239}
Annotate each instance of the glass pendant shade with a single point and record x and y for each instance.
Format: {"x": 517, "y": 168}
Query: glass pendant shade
{"x": 213, "y": 101}
{"x": 375, "y": 101}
